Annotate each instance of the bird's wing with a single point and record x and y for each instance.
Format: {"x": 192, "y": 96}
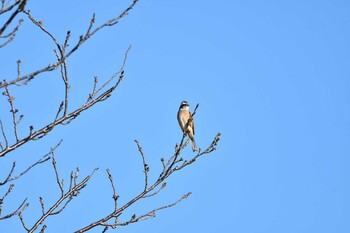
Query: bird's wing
{"x": 192, "y": 123}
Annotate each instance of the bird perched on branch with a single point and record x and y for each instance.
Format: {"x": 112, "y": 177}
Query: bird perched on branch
{"x": 186, "y": 122}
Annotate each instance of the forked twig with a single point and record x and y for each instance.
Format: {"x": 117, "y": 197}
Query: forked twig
{"x": 65, "y": 198}
{"x": 82, "y": 39}
{"x": 45, "y": 158}
{"x": 65, "y": 119}
{"x": 147, "y": 192}
{"x": 145, "y": 165}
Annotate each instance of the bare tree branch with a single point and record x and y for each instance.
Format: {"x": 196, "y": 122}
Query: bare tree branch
{"x": 60, "y": 184}
{"x": 14, "y": 213}
{"x": 11, "y": 186}
{"x": 64, "y": 115}
{"x": 146, "y": 216}
{"x": 66, "y": 119}
{"x": 20, "y": 215}
{"x": 168, "y": 170}
{"x": 11, "y": 35}
{"x": 83, "y": 38}
{"x": 5, "y": 6}
{"x": 45, "y": 158}
{"x": 145, "y": 165}
{"x": 115, "y": 196}
{"x": 65, "y": 198}
{"x": 42, "y": 160}
{"x": 13, "y": 110}
{"x": 4, "y": 135}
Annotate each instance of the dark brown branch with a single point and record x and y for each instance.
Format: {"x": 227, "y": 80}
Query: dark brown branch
{"x": 19, "y": 9}
{"x": 9, "y": 175}
{"x": 11, "y": 36}
{"x": 43, "y": 229}
{"x": 5, "y": 7}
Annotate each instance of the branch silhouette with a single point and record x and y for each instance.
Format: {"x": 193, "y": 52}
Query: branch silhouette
{"x": 150, "y": 190}
{"x": 64, "y": 55}
{"x": 12, "y": 136}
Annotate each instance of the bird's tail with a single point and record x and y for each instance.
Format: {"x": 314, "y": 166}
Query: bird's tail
{"x": 193, "y": 144}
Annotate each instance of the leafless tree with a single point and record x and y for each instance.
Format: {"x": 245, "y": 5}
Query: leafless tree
{"x": 12, "y": 14}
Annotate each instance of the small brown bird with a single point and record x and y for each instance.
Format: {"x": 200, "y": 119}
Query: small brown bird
{"x": 183, "y": 116}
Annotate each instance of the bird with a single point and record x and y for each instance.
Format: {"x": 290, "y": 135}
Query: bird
{"x": 184, "y": 118}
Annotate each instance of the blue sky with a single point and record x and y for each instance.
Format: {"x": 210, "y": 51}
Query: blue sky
{"x": 272, "y": 76}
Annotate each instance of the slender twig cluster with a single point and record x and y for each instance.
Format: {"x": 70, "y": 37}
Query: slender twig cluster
{"x": 10, "y": 178}
{"x": 174, "y": 163}
{"x": 65, "y": 119}
{"x": 12, "y": 136}
{"x": 62, "y": 54}
{"x": 65, "y": 198}
{"x": 7, "y": 7}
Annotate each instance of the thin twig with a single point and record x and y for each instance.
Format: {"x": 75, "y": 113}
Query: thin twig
{"x": 4, "y": 135}
{"x": 42, "y": 160}
{"x": 16, "y": 212}
{"x": 152, "y": 213}
{"x": 68, "y": 196}
{"x": 145, "y": 165}
{"x": 45, "y": 158}
{"x": 19, "y": 62}
{"x": 9, "y": 174}
{"x": 42, "y": 205}
{"x": 53, "y": 66}
{"x": 120, "y": 73}
{"x": 5, "y": 7}
{"x": 156, "y": 192}
{"x": 11, "y": 36}
{"x": 56, "y": 173}
{"x": 63, "y": 120}
{"x": 115, "y": 196}
{"x": 148, "y": 193}
{"x": 13, "y": 110}
{"x": 13, "y": 15}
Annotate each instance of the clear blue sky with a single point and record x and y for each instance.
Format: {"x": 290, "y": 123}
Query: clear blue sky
{"x": 272, "y": 76}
